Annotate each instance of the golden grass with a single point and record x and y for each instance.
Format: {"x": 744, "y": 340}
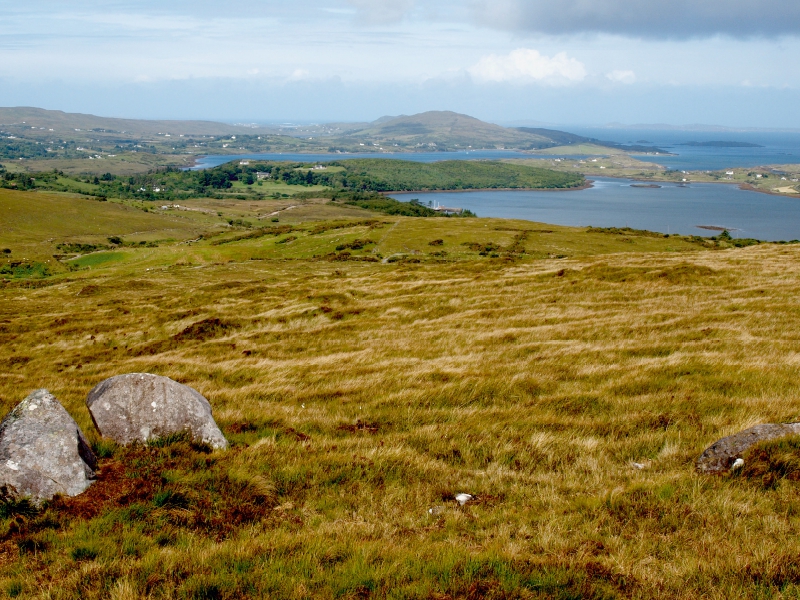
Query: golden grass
{"x": 359, "y": 395}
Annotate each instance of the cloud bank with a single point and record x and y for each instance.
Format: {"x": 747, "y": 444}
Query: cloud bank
{"x": 627, "y": 77}
{"x": 661, "y": 19}
{"x": 525, "y": 66}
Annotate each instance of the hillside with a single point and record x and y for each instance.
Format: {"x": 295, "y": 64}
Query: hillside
{"x": 30, "y": 218}
{"x": 257, "y": 180}
{"x": 398, "y": 175}
{"x": 366, "y": 368}
{"x": 448, "y": 129}
{"x": 74, "y": 143}
{"x": 62, "y": 123}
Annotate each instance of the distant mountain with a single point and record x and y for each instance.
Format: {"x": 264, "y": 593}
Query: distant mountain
{"x": 445, "y": 130}
{"x": 60, "y": 121}
{"x": 51, "y": 131}
{"x": 448, "y": 130}
{"x": 567, "y": 139}
{"x": 386, "y": 119}
{"x": 562, "y": 138}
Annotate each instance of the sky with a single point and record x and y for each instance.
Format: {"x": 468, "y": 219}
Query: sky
{"x": 537, "y": 62}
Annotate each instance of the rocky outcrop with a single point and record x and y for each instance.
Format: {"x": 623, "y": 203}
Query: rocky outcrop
{"x": 43, "y": 451}
{"x": 721, "y": 455}
{"x": 142, "y": 407}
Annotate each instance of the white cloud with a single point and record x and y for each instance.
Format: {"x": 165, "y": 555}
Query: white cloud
{"x": 526, "y": 65}
{"x": 626, "y": 77}
{"x": 299, "y": 75}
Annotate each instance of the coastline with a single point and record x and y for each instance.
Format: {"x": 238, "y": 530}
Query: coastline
{"x": 589, "y": 183}
{"x": 196, "y": 157}
{"x": 742, "y": 186}
{"x": 750, "y": 188}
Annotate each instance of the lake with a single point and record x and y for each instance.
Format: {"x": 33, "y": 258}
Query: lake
{"x": 614, "y": 203}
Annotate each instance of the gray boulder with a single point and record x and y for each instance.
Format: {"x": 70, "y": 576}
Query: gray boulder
{"x": 721, "y": 455}
{"x": 43, "y": 451}
{"x": 142, "y": 407}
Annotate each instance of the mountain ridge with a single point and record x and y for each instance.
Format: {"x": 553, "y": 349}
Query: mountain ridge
{"x": 41, "y": 117}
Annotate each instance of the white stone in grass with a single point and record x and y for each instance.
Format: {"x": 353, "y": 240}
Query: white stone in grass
{"x": 463, "y": 498}
{"x": 737, "y": 464}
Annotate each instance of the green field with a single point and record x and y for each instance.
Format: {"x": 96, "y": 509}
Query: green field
{"x": 575, "y": 149}
{"x": 33, "y": 224}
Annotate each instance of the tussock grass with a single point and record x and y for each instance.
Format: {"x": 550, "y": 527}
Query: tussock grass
{"x": 359, "y": 395}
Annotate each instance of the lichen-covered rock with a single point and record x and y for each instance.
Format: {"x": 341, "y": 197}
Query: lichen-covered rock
{"x": 142, "y": 407}
{"x": 43, "y": 451}
{"x": 721, "y": 455}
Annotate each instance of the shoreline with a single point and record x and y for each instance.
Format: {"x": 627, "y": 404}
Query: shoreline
{"x": 589, "y": 183}
{"x": 197, "y": 157}
{"x": 750, "y": 188}
{"x": 747, "y": 187}
{"x": 524, "y": 154}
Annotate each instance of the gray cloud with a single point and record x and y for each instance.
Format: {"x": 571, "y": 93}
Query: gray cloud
{"x": 382, "y": 12}
{"x": 661, "y": 19}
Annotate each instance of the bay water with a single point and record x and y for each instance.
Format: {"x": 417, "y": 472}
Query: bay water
{"x": 671, "y": 208}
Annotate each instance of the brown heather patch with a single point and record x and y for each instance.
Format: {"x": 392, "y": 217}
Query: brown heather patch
{"x": 158, "y": 487}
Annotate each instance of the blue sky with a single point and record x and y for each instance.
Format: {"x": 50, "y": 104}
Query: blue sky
{"x": 582, "y": 62}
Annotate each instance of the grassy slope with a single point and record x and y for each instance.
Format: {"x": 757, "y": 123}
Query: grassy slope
{"x": 358, "y": 396}
{"x": 33, "y": 223}
{"x": 589, "y": 149}
{"x": 124, "y": 163}
{"x": 65, "y": 122}
{"x": 607, "y": 165}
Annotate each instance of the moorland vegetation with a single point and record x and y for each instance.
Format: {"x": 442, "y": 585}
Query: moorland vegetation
{"x": 368, "y": 367}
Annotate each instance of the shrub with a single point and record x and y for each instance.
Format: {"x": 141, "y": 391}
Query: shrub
{"x": 83, "y": 553}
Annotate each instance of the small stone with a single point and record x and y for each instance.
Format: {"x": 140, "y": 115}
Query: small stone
{"x": 638, "y": 466}
{"x": 462, "y": 498}
{"x": 737, "y": 464}
{"x": 43, "y": 451}
{"x": 723, "y": 454}
{"x": 436, "y": 510}
{"x": 142, "y": 407}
